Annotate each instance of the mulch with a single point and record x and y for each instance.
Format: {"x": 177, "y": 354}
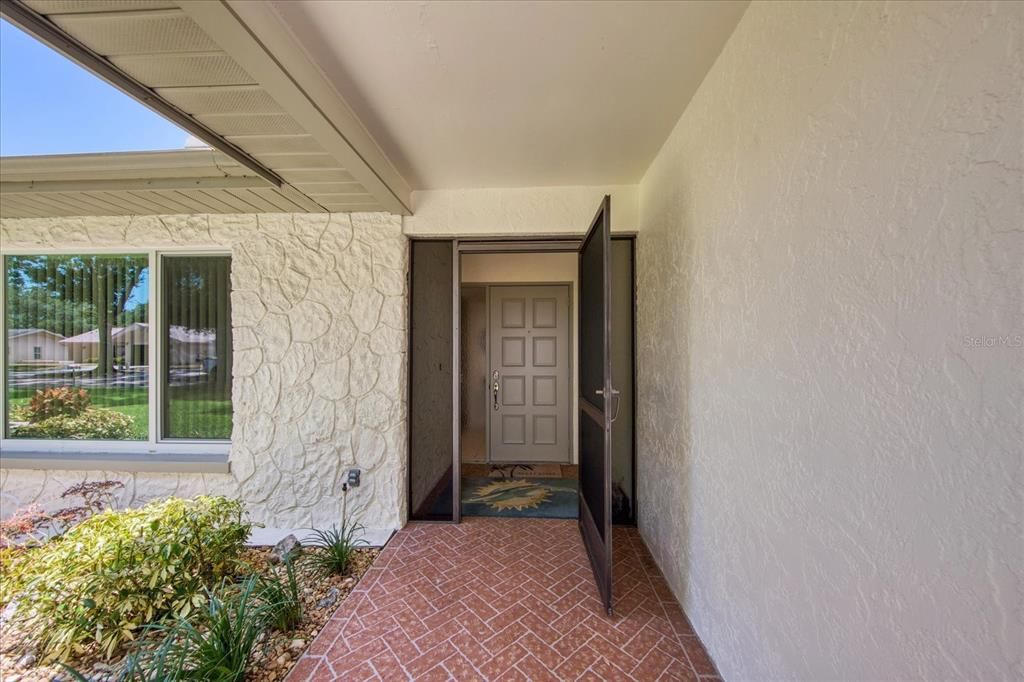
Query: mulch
{"x": 273, "y": 658}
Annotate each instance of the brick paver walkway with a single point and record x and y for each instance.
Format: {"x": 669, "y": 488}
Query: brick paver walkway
{"x": 505, "y": 599}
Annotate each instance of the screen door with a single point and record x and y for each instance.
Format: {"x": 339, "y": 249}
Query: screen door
{"x": 598, "y": 399}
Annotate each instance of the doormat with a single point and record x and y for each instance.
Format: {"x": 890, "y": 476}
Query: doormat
{"x": 546, "y": 498}
{"x": 526, "y": 471}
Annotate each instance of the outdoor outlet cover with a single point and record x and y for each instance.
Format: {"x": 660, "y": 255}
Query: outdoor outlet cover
{"x": 353, "y": 478}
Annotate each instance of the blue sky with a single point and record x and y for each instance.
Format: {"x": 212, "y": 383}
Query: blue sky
{"x": 50, "y": 105}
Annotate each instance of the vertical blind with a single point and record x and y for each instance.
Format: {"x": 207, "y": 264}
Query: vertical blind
{"x": 196, "y": 337}
{"x": 77, "y": 331}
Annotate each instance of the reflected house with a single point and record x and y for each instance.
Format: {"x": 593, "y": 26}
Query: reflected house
{"x": 27, "y": 346}
{"x": 187, "y": 347}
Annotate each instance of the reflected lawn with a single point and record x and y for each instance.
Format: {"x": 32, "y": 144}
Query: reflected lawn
{"x": 197, "y": 412}
{"x": 130, "y": 400}
{"x": 193, "y": 412}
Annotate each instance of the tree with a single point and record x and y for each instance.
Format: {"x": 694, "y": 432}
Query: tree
{"x": 72, "y": 294}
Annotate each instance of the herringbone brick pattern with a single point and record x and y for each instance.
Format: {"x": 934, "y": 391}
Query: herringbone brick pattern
{"x": 505, "y": 599}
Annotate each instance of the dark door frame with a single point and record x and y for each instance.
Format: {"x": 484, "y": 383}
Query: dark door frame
{"x": 503, "y": 244}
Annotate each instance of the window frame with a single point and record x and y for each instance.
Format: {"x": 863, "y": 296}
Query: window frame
{"x": 123, "y": 453}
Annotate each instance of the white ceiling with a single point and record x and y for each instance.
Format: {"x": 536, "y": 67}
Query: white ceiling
{"x": 513, "y": 94}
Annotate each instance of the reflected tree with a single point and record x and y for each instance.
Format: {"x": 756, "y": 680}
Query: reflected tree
{"x": 69, "y": 295}
{"x": 197, "y": 300}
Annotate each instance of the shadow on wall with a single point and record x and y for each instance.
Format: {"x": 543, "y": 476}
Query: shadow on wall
{"x": 664, "y": 439}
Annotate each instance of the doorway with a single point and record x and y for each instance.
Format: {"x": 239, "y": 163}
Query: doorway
{"x": 517, "y": 331}
{"x": 456, "y": 288}
{"x": 516, "y": 363}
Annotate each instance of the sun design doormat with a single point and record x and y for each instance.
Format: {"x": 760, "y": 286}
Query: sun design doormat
{"x": 548, "y": 498}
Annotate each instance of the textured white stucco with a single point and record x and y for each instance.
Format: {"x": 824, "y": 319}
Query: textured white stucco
{"x": 319, "y": 319}
{"x": 829, "y": 465}
{"x": 517, "y": 211}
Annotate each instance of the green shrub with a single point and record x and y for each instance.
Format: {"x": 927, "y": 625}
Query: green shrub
{"x": 97, "y": 585}
{"x": 334, "y": 548}
{"x": 211, "y": 646}
{"x": 280, "y": 595}
{"x": 89, "y": 425}
{"x": 57, "y": 402}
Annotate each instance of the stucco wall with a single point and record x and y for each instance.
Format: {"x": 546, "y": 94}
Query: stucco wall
{"x": 829, "y": 463}
{"x": 319, "y": 320}
{"x": 518, "y": 210}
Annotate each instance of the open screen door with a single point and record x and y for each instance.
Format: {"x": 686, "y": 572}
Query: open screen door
{"x": 598, "y": 399}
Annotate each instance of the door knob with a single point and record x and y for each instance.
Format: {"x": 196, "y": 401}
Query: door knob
{"x": 495, "y": 387}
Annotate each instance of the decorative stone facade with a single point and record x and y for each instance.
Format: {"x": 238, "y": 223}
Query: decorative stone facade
{"x": 319, "y": 313}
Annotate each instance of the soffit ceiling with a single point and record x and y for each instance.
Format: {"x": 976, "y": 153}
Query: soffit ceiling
{"x": 507, "y": 94}
{"x": 203, "y": 60}
{"x": 138, "y": 183}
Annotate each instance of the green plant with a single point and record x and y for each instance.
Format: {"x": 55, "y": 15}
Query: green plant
{"x": 99, "y": 584}
{"x": 57, "y": 402}
{"x": 280, "y": 595}
{"x": 91, "y": 424}
{"x": 334, "y": 548}
{"x": 214, "y": 646}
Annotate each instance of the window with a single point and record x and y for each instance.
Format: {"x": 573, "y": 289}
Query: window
{"x": 84, "y": 338}
{"x": 197, "y": 340}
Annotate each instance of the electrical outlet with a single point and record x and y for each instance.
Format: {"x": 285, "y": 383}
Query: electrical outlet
{"x": 353, "y": 477}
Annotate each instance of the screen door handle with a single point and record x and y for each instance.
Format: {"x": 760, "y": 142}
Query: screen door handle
{"x": 495, "y": 386}
{"x": 615, "y": 404}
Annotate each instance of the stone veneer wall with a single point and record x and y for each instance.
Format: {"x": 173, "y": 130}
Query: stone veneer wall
{"x": 829, "y": 450}
{"x": 319, "y": 320}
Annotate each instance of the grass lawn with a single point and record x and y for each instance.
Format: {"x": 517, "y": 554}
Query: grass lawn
{"x": 193, "y": 414}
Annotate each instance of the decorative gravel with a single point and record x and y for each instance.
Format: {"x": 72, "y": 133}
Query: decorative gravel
{"x": 274, "y": 656}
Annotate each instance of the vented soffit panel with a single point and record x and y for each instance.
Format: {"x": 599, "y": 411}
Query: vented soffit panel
{"x": 143, "y": 183}
{"x": 200, "y": 65}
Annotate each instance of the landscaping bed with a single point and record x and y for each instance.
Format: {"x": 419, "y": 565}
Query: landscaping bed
{"x": 320, "y": 598}
{"x": 163, "y": 592}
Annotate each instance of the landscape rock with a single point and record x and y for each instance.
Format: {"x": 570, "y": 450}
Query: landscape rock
{"x": 329, "y": 599}
{"x": 8, "y": 611}
{"x": 284, "y": 549}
